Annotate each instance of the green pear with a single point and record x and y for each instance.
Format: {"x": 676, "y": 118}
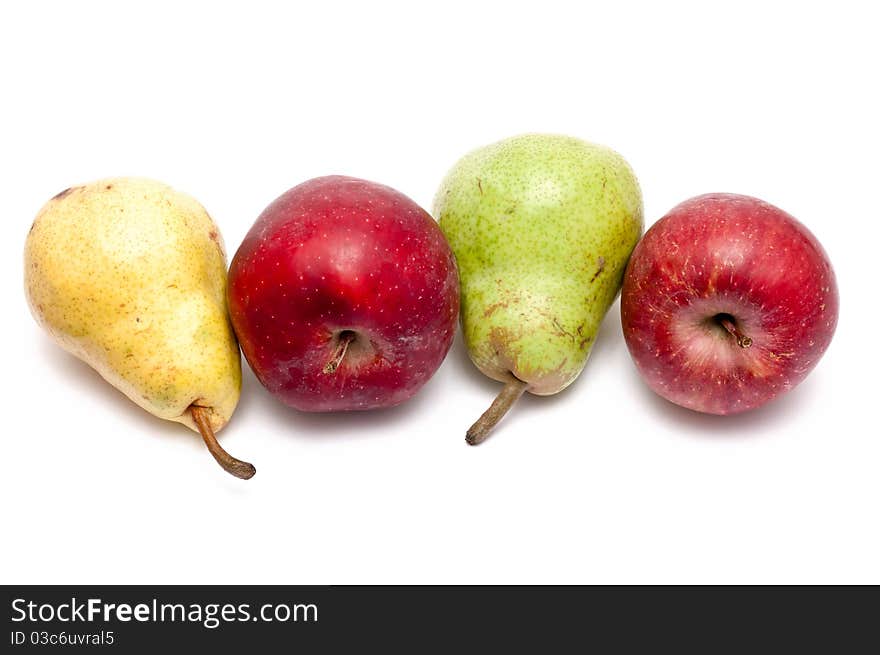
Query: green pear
{"x": 129, "y": 276}
{"x": 542, "y": 227}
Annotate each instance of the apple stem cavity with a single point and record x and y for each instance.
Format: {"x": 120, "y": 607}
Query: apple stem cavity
{"x": 230, "y": 464}
{"x": 727, "y": 322}
{"x": 511, "y": 392}
{"x": 345, "y": 339}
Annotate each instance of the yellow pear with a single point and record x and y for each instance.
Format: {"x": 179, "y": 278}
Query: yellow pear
{"x": 129, "y": 275}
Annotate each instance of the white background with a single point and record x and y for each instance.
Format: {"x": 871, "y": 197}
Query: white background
{"x": 603, "y": 483}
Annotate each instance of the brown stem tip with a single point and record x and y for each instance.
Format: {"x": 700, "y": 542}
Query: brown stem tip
{"x": 229, "y": 463}
{"x": 730, "y": 326}
{"x": 499, "y": 407}
{"x": 345, "y": 339}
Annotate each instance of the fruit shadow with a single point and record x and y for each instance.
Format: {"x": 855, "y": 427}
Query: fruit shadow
{"x": 82, "y": 378}
{"x": 750, "y": 424}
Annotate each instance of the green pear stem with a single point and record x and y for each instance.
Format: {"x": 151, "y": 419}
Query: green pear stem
{"x": 741, "y": 339}
{"x": 345, "y": 339}
{"x": 229, "y": 463}
{"x": 511, "y": 392}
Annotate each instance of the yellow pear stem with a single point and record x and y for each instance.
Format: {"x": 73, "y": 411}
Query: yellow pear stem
{"x": 511, "y": 392}
{"x": 741, "y": 339}
{"x": 345, "y": 339}
{"x": 229, "y": 463}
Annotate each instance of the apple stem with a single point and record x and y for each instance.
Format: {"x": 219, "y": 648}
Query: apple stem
{"x": 229, "y": 463}
{"x": 345, "y": 339}
{"x": 511, "y": 392}
{"x": 741, "y": 339}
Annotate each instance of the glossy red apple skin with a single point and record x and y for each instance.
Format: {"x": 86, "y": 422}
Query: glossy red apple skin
{"x": 334, "y": 254}
{"x": 735, "y": 255}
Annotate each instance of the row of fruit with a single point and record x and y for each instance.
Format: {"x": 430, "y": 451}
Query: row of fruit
{"x": 345, "y": 294}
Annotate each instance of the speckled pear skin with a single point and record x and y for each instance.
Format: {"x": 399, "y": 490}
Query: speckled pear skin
{"x": 542, "y": 227}
{"x": 129, "y": 275}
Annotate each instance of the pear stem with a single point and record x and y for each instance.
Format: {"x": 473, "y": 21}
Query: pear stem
{"x": 511, "y": 392}
{"x": 345, "y": 339}
{"x": 730, "y": 326}
{"x": 229, "y": 463}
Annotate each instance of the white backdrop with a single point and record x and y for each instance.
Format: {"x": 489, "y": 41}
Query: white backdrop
{"x": 603, "y": 483}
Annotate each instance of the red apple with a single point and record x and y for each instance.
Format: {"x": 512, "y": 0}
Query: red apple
{"x": 344, "y": 296}
{"x": 727, "y": 303}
